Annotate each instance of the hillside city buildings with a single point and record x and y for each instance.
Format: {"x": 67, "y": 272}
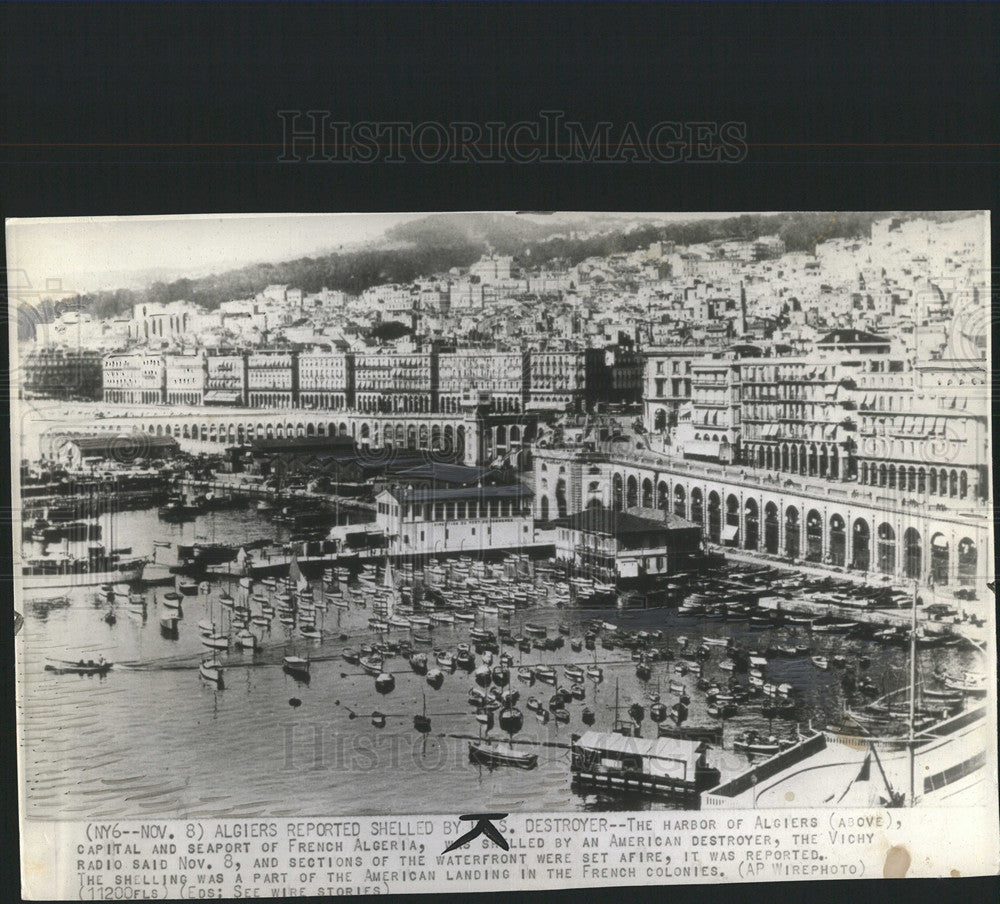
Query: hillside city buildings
{"x": 827, "y": 407}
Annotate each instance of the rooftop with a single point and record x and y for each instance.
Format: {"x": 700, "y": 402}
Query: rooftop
{"x": 442, "y": 472}
{"x": 144, "y": 442}
{"x": 665, "y": 750}
{"x": 614, "y": 522}
{"x": 509, "y": 491}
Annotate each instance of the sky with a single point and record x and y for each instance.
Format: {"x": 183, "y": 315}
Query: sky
{"x": 87, "y": 254}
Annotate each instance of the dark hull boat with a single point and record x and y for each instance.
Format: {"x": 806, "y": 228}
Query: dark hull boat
{"x": 66, "y": 667}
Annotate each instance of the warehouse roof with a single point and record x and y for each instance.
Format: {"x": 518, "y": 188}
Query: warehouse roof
{"x": 105, "y": 445}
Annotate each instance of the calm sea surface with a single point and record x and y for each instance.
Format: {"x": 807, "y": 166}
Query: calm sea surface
{"x": 154, "y": 740}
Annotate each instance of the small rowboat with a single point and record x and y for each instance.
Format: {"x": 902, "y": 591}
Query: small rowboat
{"x": 493, "y": 755}
{"x": 215, "y": 641}
{"x": 546, "y": 674}
{"x": 296, "y": 666}
{"x": 371, "y": 664}
{"x": 211, "y": 672}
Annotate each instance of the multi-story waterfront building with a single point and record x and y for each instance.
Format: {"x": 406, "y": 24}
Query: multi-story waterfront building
{"x": 627, "y": 547}
{"x": 226, "y": 378}
{"x": 795, "y": 416}
{"x": 499, "y": 375}
{"x": 420, "y": 522}
{"x": 134, "y": 378}
{"x": 272, "y": 378}
{"x": 709, "y": 428}
{"x": 396, "y": 381}
{"x": 929, "y": 441}
{"x": 326, "y": 380}
{"x": 667, "y": 384}
{"x": 184, "y": 379}
{"x": 61, "y": 373}
{"x": 564, "y": 380}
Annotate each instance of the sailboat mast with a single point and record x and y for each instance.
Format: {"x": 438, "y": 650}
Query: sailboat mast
{"x": 913, "y": 691}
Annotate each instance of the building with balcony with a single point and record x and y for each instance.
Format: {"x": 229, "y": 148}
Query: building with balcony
{"x": 709, "y": 428}
{"x": 396, "y": 382}
{"x": 226, "y": 378}
{"x": 794, "y": 418}
{"x": 564, "y": 380}
{"x": 272, "y": 378}
{"x": 326, "y": 380}
{"x": 627, "y": 547}
{"x": 134, "y": 378}
{"x": 499, "y": 375}
{"x": 184, "y": 379}
{"x": 667, "y": 384}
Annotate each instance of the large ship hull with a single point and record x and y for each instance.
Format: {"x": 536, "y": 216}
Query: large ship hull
{"x": 83, "y": 579}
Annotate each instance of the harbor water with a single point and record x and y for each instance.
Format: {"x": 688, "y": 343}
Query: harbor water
{"x": 150, "y": 739}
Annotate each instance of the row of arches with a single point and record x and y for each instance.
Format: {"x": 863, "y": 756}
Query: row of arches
{"x": 424, "y": 436}
{"x": 806, "y": 459}
{"x": 271, "y": 400}
{"x": 935, "y": 481}
{"x": 499, "y": 404}
{"x": 863, "y": 545}
{"x": 396, "y": 403}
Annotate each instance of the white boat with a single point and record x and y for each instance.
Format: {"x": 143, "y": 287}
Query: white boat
{"x": 206, "y": 626}
{"x": 296, "y": 666}
{"x": 493, "y": 754}
{"x": 211, "y": 672}
{"x": 246, "y": 640}
{"x": 215, "y": 641}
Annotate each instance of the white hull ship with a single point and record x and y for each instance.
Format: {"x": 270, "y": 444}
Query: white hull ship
{"x": 827, "y": 769}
